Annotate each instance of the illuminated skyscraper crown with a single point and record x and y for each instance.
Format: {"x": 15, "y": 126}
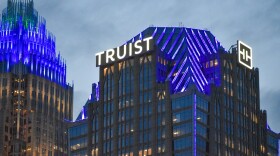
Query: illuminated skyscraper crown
{"x": 25, "y": 39}
{"x": 186, "y": 50}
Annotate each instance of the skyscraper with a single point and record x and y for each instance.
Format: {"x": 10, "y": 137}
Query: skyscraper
{"x": 35, "y": 98}
{"x": 177, "y": 91}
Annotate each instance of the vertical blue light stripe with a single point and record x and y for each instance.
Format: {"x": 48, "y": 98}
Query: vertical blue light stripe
{"x": 161, "y": 36}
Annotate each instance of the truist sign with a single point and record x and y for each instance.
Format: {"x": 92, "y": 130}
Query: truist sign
{"x": 125, "y": 51}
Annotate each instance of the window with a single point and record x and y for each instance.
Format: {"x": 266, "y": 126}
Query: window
{"x": 78, "y": 131}
{"x": 201, "y": 130}
{"x": 46, "y": 88}
{"x": 40, "y": 86}
{"x": 183, "y": 129}
{"x": 29, "y": 139}
{"x": 202, "y": 117}
{"x": 182, "y": 143}
{"x": 4, "y": 92}
{"x": 34, "y": 83}
{"x": 201, "y": 143}
{"x": 52, "y": 90}
{"x": 33, "y": 94}
{"x": 181, "y": 102}
{"x": 182, "y": 116}
{"x": 202, "y": 104}
{"x": 4, "y": 82}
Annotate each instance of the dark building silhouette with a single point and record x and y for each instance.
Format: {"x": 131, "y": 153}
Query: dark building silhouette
{"x": 35, "y": 98}
{"x": 176, "y": 91}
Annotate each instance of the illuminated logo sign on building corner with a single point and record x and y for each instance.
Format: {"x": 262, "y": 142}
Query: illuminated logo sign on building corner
{"x": 245, "y": 54}
{"x": 125, "y": 51}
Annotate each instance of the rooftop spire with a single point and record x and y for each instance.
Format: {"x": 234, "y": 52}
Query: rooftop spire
{"x": 20, "y": 10}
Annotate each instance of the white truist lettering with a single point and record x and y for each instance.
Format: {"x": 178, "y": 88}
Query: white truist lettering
{"x": 110, "y": 55}
{"x": 130, "y": 49}
{"x": 124, "y": 52}
{"x": 98, "y": 55}
{"x": 139, "y": 47}
{"x": 148, "y": 42}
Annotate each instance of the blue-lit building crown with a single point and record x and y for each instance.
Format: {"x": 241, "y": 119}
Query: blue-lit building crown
{"x": 184, "y": 54}
{"x": 25, "y": 39}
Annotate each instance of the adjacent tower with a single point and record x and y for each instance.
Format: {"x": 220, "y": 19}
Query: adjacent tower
{"x": 35, "y": 98}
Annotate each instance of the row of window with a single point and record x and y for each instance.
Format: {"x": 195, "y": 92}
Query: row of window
{"x": 211, "y": 63}
{"x": 78, "y": 130}
{"x": 182, "y": 102}
{"x": 78, "y": 143}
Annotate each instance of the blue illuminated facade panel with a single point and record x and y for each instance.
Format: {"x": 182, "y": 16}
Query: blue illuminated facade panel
{"x": 183, "y": 128}
{"x": 190, "y": 123}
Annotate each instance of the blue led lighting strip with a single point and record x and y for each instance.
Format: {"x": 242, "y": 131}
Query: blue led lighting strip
{"x": 204, "y": 43}
{"x": 169, "y": 52}
{"x": 167, "y": 41}
{"x": 97, "y": 91}
{"x": 186, "y": 84}
{"x": 217, "y": 43}
{"x": 154, "y": 33}
{"x": 180, "y": 67}
{"x": 140, "y": 36}
{"x": 192, "y": 45}
{"x": 179, "y": 47}
{"x": 180, "y": 70}
{"x": 199, "y": 70}
{"x": 182, "y": 78}
{"x": 175, "y": 42}
{"x": 161, "y": 36}
{"x": 210, "y": 43}
{"x": 197, "y": 41}
{"x": 195, "y": 78}
{"x": 196, "y": 71}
